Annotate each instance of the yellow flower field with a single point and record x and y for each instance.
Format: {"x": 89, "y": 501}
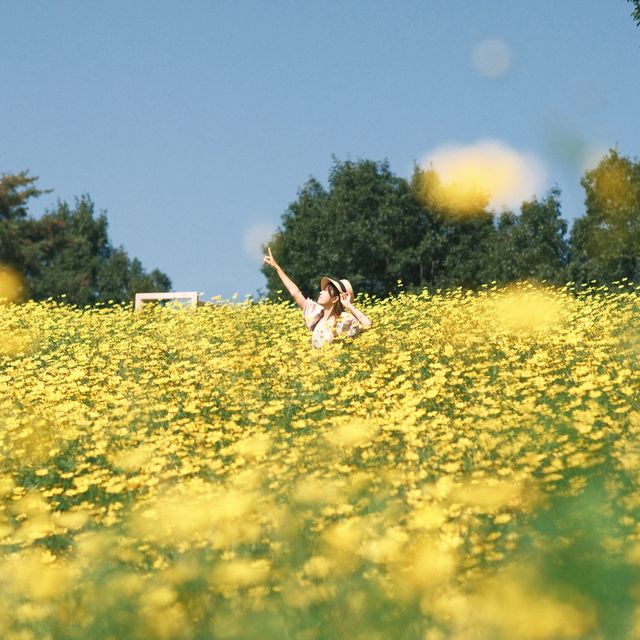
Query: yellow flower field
{"x": 468, "y": 468}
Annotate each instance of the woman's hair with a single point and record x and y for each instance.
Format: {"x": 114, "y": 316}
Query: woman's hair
{"x": 333, "y": 292}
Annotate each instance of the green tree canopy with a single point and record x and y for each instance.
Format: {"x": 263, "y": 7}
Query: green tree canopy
{"x": 533, "y": 243}
{"x": 636, "y": 11}
{"x": 375, "y": 228}
{"x": 364, "y": 228}
{"x": 455, "y": 247}
{"x": 67, "y": 250}
{"x": 605, "y": 242}
{"x": 15, "y": 191}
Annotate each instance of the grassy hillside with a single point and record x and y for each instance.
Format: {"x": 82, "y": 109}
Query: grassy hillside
{"x": 468, "y": 468}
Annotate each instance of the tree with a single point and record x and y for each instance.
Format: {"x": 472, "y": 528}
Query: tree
{"x": 532, "y": 244}
{"x": 15, "y": 192}
{"x": 467, "y": 257}
{"x": 504, "y": 257}
{"x": 365, "y": 227}
{"x": 454, "y": 249}
{"x": 605, "y": 242}
{"x": 120, "y": 278}
{"x": 296, "y": 243}
{"x": 380, "y": 223}
{"x": 67, "y": 250}
{"x": 636, "y": 11}
{"x": 375, "y": 228}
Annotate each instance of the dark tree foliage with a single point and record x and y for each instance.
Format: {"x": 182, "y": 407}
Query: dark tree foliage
{"x": 364, "y": 228}
{"x": 296, "y": 244}
{"x": 605, "y": 242}
{"x": 376, "y": 220}
{"x": 636, "y": 11}
{"x": 532, "y": 244}
{"x": 456, "y": 245}
{"x": 375, "y": 228}
{"x": 15, "y": 192}
{"x": 64, "y": 252}
{"x": 67, "y": 250}
{"x": 120, "y": 277}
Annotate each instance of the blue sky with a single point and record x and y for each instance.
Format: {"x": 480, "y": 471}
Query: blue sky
{"x": 194, "y": 123}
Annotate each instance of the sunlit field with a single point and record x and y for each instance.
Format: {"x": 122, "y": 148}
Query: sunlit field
{"x": 468, "y": 468}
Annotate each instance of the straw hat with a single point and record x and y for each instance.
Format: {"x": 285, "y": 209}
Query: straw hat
{"x": 341, "y": 285}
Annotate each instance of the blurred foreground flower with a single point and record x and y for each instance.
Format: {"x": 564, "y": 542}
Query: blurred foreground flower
{"x": 485, "y": 172}
{"x": 11, "y": 285}
{"x": 525, "y": 308}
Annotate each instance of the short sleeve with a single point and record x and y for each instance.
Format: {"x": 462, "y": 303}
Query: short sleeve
{"x": 349, "y": 327}
{"x": 311, "y": 312}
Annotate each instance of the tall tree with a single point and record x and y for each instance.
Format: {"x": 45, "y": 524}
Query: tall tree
{"x": 375, "y": 229}
{"x": 636, "y": 11}
{"x": 296, "y": 244}
{"x": 454, "y": 249}
{"x": 66, "y": 250}
{"x": 364, "y": 228}
{"x": 119, "y": 278}
{"x": 15, "y": 192}
{"x": 605, "y": 242}
{"x": 380, "y": 222}
{"x": 532, "y": 244}
{"x": 504, "y": 258}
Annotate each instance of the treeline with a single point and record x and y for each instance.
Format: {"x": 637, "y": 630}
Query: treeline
{"x": 368, "y": 225}
{"x": 376, "y": 228}
{"x": 67, "y": 250}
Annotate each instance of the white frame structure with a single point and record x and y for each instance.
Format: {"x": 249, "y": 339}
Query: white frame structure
{"x": 192, "y": 296}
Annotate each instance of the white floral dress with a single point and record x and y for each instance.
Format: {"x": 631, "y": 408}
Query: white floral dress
{"x": 322, "y": 332}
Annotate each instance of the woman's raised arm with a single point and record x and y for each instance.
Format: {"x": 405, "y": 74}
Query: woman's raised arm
{"x": 291, "y": 286}
{"x": 345, "y": 298}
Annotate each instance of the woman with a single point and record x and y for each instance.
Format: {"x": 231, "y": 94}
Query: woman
{"x": 333, "y": 314}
